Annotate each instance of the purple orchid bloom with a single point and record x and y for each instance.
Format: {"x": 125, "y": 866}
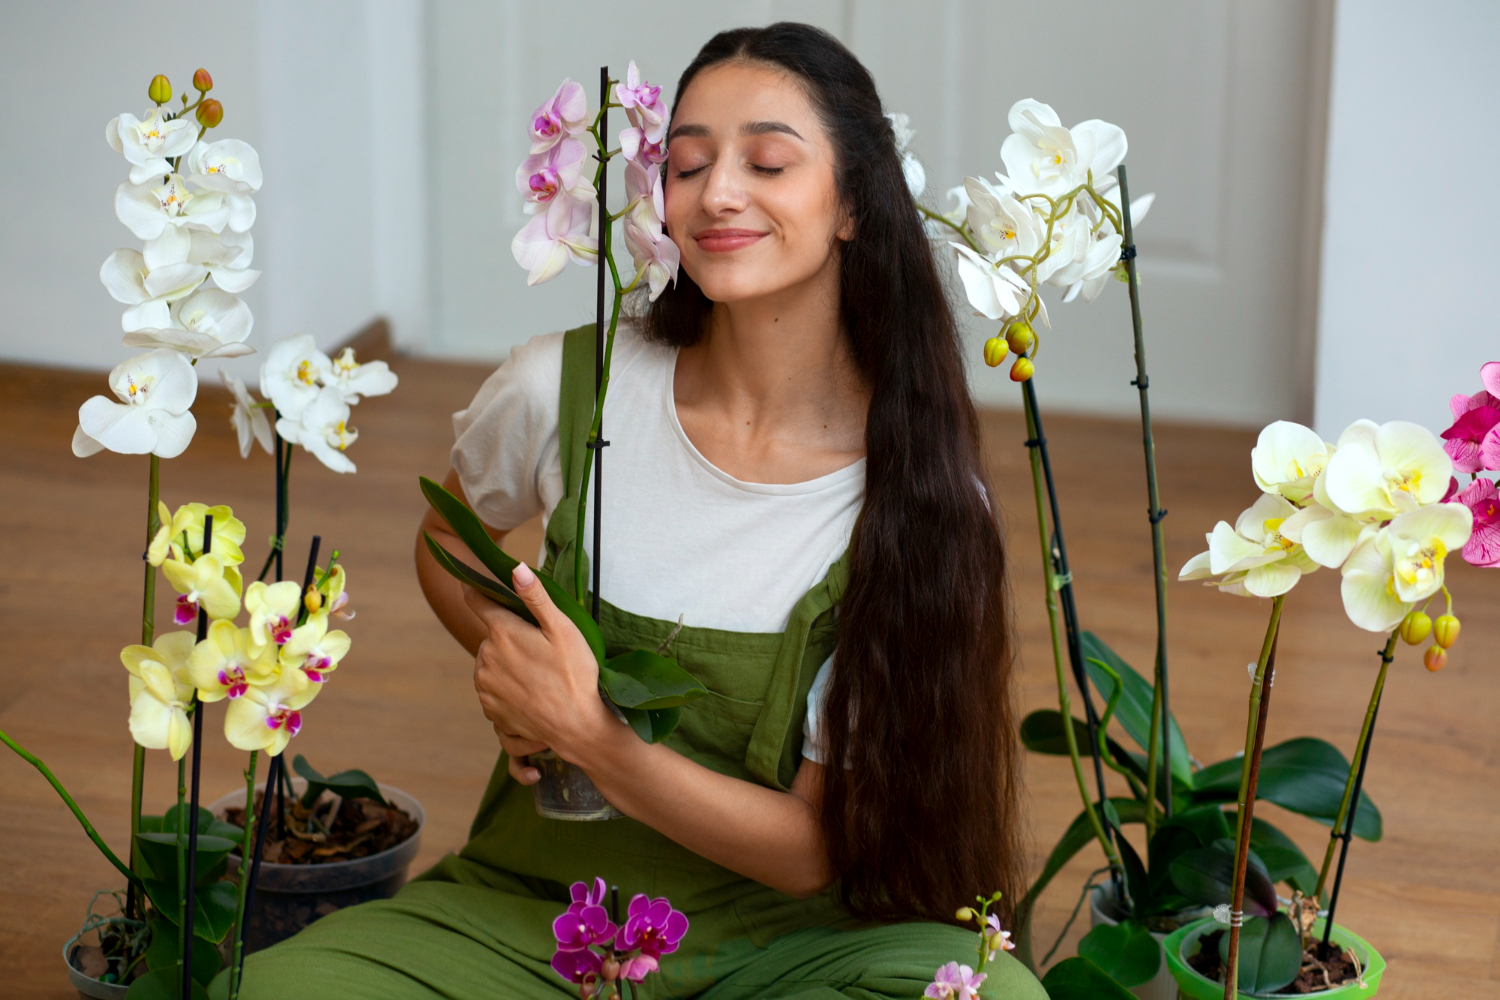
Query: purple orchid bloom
{"x": 578, "y": 966}
{"x": 955, "y": 982}
{"x": 583, "y": 926}
{"x": 584, "y": 894}
{"x": 1473, "y": 441}
{"x": 653, "y": 927}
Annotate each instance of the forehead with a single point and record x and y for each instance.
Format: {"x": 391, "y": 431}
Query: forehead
{"x": 726, "y": 96}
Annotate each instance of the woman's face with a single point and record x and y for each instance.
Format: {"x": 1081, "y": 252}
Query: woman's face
{"x": 751, "y": 198}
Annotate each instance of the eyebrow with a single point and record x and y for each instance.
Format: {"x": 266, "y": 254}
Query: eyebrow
{"x": 749, "y": 128}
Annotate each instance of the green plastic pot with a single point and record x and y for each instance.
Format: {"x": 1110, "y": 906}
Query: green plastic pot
{"x": 1184, "y": 941}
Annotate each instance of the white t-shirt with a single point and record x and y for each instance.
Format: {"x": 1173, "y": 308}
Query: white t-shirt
{"x": 683, "y": 537}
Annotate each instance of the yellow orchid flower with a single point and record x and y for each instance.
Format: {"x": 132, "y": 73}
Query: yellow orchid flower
{"x": 267, "y": 717}
{"x": 313, "y": 651}
{"x": 160, "y": 692}
{"x": 205, "y": 581}
{"x": 273, "y": 611}
{"x": 229, "y": 534}
{"x": 227, "y": 662}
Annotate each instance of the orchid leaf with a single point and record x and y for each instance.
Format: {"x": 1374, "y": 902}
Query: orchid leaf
{"x": 207, "y": 823}
{"x": 1135, "y": 876}
{"x": 467, "y": 526}
{"x": 1078, "y": 978}
{"x": 1207, "y": 822}
{"x": 1284, "y": 860}
{"x": 1079, "y": 834}
{"x": 646, "y": 680}
{"x": 350, "y": 784}
{"x": 1206, "y": 876}
{"x": 1134, "y": 709}
{"x": 1042, "y": 732}
{"x": 160, "y": 852}
{"x": 163, "y": 984}
{"x": 1305, "y": 775}
{"x": 162, "y": 952}
{"x": 1169, "y": 844}
{"x": 652, "y": 725}
{"x": 1126, "y": 952}
{"x": 464, "y": 573}
{"x": 1270, "y": 953}
{"x": 217, "y": 906}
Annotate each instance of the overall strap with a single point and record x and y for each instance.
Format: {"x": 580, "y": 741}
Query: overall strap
{"x": 774, "y": 747}
{"x": 576, "y": 395}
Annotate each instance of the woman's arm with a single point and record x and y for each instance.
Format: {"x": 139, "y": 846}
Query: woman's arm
{"x": 442, "y": 591}
{"x": 539, "y": 687}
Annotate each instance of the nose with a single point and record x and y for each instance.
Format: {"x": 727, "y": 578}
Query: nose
{"x": 722, "y": 193}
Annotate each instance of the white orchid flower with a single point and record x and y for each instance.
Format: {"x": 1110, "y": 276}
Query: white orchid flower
{"x": 227, "y": 257}
{"x": 227, "y": 662}
{"x": 566, "y": 231}
{"x": 1042, "y": 157}
{"x": 161, "y": 690}
{"x": 1287, "y": 459}
{"x": 1003, "y": 226}
{"x": 150, "y": 142}
{"x": 210, "y": 323}
{"x": 1386, "y": 469}
{"x": 323, "y": 429}
{"x": 290, "y": 376}
{"x": 266, "y": 717}
{"x": 233, "y": 168}
{"x": 156, "y": 392}
{"x": 1253, "y": 558}
{"x": 147, "y": 290}
{"x": 911, "y": 167}
{"x": 1086, "y": 278}
{"x": 994, "y": 290}
{"x": 246, "y": 416}
{"x": 1368, "y": 586}
{"x": 149, "y": 210}
{"x": 1419, "y": 542}
{"x": 355, "y": 380}
{"x": 273, "y": 611}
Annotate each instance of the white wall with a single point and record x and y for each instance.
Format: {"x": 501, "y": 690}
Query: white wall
{"x": 1407, "y": 309}
{"x": 335, "y": 234}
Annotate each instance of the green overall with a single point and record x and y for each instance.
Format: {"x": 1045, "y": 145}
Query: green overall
{"x": 479, "y": 923}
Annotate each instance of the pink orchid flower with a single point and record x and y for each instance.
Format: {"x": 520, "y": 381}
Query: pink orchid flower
{"x": 643, "y": 141}
{"x": 1483, "y": 501}
{"x": 653, "y": 251}
{"x": 638, "y": 967}
{"x": 554, "y": 237}
{"x": 955, "y": 981}
{"x": 1473, "y": 442}
{"x": 567, "y": 113}
{"x": 653, "y": 927}
{"x": 541, "y": 177}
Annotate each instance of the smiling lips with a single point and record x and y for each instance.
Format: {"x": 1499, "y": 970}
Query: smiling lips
{"x": 724, "y": 240}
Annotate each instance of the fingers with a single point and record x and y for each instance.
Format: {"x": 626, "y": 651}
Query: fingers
{"x": 530, "y": 590}
{"x": 517, "y": 748}
{"x": 485, "y": 609}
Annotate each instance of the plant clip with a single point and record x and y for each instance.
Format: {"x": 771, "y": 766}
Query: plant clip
{"x": 1143, "y": 383}
{"x": 1236, "y": 918}
{"x": 1386, "y": 655}
{"x": 1035, "y": 442}
{"x": 1155, "y": 518}
{"x": 596, "y": 444}
{"x": 1061, "y": 580}
{"x": 1127, "y": 252}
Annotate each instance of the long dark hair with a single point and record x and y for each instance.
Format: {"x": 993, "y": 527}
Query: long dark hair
{"x": 922, "y": 816}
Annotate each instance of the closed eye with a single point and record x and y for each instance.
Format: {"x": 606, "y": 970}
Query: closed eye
{"x": 768, "y": 171}
{"x": 682, "y": 174}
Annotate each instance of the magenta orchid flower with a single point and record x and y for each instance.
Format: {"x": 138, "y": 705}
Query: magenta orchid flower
{"x": 653, "y": 927}
{"x": 588, "y": 895}
{"x": 553, "y": 237}
{"x": 582, "y": 966}
{"x": 567, "y": 113}
{"x": 1473, "y": 442}
{"x": 583, "y": 926}
{"x": 544, "y": 176}
{"x": 1483, "y": 501}
{"x": 958, "y": 982}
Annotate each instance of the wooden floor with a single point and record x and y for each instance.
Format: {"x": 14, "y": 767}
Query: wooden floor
{"x": 403, "y": 707}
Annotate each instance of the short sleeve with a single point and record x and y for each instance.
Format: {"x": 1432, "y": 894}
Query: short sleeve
{"x": 505, "y": 448}
{"x": 813, "y": 747}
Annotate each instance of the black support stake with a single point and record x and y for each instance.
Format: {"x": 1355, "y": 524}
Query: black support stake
{"x": 599, "y": 443}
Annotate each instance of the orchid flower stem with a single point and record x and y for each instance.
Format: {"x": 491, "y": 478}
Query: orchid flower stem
{"x": 1160, "y": 738}
{"x": 1255, "y": 741}
{"x": 1095, "y": 814}
{"x": 134, "y": 907}
{"x": 237, "y": 958}
{"x": 83, "y": 820}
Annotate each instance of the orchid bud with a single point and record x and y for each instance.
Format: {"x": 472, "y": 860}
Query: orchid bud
{"x": 1019, "y": 336}
{"x": 1022, "y": 370}
{"x": 202, "y": 82}
{"x": 1435, "y": 658}
{"x": 610, "y": 970}
{"x": 1415, "y": 628}
{"x": 1445, "y": 631}
{"x": 210, "y": 113}
{"x": 313, "y": 600}
{"x": 964, "y": 914}
{"x": 160, "y": 90}
{"x": 994, "y": 351}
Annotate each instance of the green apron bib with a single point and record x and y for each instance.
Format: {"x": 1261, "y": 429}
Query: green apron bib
{"x": 478, "y": 924}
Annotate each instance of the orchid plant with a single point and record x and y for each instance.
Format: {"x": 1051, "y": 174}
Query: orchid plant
{"x": 598, "y": 955}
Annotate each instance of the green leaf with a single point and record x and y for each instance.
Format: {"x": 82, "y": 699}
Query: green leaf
{"x": 464, "y": 573}
{"x": 1079, "y": 834}
{"x": 1207, "y": 822}
{"x": 1283, "y": 859}
{"x": 1042, "y": 732}
{"x": 1169, "y": 844}
{"x": 163, "y": 984}
{"x": 1134, "y": 709}
{"x": 1305, "y": 775}
{"x": 1270, "y": 953}
{"x": 217, "y": 906}
{"x": 207, "y": 823}
{"x": 351, "y": 784}
{"x": 160, "y": 852}
{"x": 1080, "y": 979}
{"x": 467, "y": 526}
{"x": 1206, "y": 876}
{"x": 654, "y": 724}
{"x": 162, "y": 952}
{"x": 1126, "y": 952}
{"x": 1135, "y": 877}
{"x": 647, "y": 680}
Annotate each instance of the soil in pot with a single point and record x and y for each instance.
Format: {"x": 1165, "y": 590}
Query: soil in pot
{"x": 358, "y": 829}
{"x": 1319, "y": 974}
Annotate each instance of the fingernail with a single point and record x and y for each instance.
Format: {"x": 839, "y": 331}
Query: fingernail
{"x": 522, "y": 576}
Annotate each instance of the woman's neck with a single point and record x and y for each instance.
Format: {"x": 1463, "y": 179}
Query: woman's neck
{"x": 771, "y": 394}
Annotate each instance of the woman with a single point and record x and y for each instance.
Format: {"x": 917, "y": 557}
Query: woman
{"x": 796, "y": 510}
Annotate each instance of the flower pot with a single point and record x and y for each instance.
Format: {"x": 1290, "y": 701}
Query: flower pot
{"x": 87, "y": 986}
{"x": 1183, "y": 943}
{"x": 289, "y": 897}
{"x": 1104, "y": 908}
{"x": 565, "y": 791}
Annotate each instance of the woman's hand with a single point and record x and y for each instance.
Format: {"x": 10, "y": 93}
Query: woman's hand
{"x": 537, "y": 686}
